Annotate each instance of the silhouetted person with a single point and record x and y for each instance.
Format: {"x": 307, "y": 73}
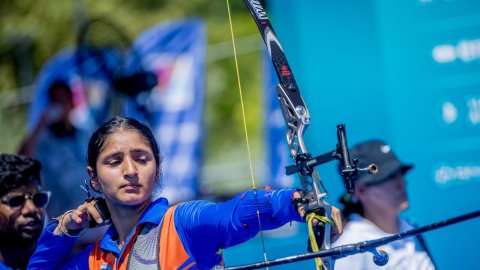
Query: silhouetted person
{"x": 60, "y": 147}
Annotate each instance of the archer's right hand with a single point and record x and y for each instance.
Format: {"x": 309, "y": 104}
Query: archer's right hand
{"x": 75, "y": 220}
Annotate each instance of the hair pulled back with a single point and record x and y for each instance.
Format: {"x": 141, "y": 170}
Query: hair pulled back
{"x": 116, "y": 124}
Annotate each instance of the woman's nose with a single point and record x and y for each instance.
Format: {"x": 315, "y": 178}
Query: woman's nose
{"x": 130, "y": 169}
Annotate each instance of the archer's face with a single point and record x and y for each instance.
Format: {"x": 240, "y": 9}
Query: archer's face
{"x": 126, "y": 169}
{"x": 23, "y": 223}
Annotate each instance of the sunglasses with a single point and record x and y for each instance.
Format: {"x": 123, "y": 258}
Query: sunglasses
{"x": 39, "y": 199}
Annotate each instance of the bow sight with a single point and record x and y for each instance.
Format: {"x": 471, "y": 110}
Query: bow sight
{"x": 304, "y": 163}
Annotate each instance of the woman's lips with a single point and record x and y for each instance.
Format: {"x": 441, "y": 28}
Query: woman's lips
{"x": 131, "y": 186}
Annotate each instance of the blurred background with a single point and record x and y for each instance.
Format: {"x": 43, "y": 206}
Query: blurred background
{"x": 405, "y": 71}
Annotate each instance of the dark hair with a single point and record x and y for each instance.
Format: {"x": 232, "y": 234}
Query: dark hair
{"x": 17, "y": 171}
{"x": 349, "y": 206}
{"x": 117, "y": 123}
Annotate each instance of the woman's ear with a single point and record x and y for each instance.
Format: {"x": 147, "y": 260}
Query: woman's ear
{"x": 94, "y": 179}
{"x": 90, "y": 171}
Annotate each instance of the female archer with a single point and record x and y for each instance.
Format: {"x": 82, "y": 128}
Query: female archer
{"x": 124, "y": 165}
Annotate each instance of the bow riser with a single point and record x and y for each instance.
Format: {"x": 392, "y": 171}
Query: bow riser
{"x": 296, "y": 118}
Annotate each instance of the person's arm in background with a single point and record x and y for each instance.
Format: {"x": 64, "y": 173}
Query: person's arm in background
{"x": 27, "y": 148}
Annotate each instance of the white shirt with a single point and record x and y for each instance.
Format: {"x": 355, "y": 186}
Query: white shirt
{"x": 403, "y": 254}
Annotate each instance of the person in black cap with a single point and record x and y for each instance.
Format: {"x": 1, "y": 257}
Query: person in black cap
{"x": 373, "y": 211}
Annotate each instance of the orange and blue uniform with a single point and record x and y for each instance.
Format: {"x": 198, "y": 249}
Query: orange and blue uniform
{"x": 185, "y": 236}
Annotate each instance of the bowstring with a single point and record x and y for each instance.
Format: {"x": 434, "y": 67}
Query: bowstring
{"x": 254, "y": 187}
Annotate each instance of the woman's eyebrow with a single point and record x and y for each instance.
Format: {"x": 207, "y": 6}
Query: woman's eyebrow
{"x": 113, "y": 155}
{"x": 140, "y": 151}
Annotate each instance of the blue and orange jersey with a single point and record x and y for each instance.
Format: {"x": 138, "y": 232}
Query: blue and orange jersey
{"x": 190, "y": 234}
{"x": 4, "y": 266}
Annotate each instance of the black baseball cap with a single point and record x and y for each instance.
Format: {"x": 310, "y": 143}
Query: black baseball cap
{"x": 380, "y": 153}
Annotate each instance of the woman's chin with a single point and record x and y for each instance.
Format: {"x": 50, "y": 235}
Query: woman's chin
{"x": 133, "y": 200}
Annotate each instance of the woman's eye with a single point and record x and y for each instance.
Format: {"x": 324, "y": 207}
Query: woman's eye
{"x": 113, "y": 162}
{"x": 142, "y": 160}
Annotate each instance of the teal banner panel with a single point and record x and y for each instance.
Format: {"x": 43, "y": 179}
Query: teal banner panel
{"x": 407, "y": 72}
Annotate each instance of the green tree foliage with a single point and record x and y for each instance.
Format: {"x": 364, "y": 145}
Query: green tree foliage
{"x": 33, "y": 31}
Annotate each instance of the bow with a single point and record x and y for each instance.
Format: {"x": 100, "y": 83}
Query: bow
{"x": 297, "y": 119}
